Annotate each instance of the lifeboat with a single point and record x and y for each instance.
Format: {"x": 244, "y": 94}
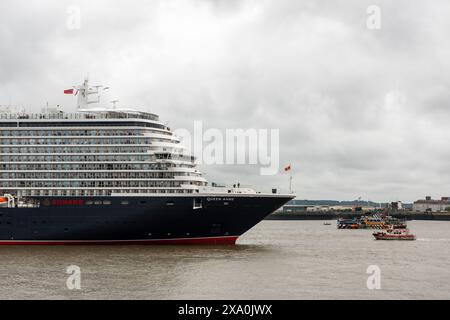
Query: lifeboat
{"x": 394, "y": 234}
{"x": 3, "y": 202}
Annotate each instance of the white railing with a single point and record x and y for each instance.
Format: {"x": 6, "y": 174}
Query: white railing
{"x": 78, "y": 116}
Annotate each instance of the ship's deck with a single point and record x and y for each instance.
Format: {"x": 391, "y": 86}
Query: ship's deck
{"x": 80, "y": 116}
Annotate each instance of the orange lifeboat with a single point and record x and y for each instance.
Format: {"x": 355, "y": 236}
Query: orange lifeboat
{"x": 3, "y": 202}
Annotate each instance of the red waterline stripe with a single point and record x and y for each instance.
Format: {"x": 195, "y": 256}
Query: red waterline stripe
{"x": 186, "y": 241}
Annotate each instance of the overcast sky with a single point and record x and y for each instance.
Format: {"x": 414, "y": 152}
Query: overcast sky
{"x": 361, "y": 112}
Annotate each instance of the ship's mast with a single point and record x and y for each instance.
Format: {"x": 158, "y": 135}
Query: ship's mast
{"x": 83, "y": 92}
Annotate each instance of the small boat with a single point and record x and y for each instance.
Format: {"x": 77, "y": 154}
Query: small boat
{"x": 394, "y": 234}
{"x": 348, "y": 224}
{"x": 399, "y": 226}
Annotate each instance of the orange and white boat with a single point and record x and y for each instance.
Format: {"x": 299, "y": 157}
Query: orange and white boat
{"x": 394, "y": 234}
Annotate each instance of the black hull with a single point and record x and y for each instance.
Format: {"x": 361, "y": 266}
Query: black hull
{"x": 137, "y": 220}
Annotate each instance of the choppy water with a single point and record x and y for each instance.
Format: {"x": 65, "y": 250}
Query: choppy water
{"x": 275, "y": 260}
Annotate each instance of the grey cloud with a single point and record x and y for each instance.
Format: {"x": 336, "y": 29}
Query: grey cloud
{"x": 360, "y": 112}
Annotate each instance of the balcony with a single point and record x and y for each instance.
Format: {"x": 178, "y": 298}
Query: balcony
{"x": 80, "y": 116}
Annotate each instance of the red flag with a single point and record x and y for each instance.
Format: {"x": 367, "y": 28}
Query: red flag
{"x": 68, "y": 91}
{"x": 288, "y": 168}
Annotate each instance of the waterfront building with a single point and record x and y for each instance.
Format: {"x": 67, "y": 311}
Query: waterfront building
{"x": 430, "y": 205}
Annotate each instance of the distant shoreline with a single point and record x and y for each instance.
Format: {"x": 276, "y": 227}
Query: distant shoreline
{"x": 335, "y": 215}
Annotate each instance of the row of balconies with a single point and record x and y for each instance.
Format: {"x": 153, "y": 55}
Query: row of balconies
{"x": 97, "y": 175}
{"x": 86, "y": 141}
{"x": 118, "y": 183}
{"x": 70, "y": 133}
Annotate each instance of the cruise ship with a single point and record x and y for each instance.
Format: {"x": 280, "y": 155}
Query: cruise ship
{"x": 112, "y": 176}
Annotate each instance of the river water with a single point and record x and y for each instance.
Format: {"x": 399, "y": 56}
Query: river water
{"x": 275, "y": 260}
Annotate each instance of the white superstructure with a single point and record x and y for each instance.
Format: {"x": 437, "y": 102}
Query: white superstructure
{"x": 95, "y": 152}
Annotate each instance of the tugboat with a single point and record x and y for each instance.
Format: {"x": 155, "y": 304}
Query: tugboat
{"x": 394, "y": 234}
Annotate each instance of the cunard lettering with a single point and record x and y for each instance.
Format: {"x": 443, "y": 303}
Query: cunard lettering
{"x": 67, "y": 202}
